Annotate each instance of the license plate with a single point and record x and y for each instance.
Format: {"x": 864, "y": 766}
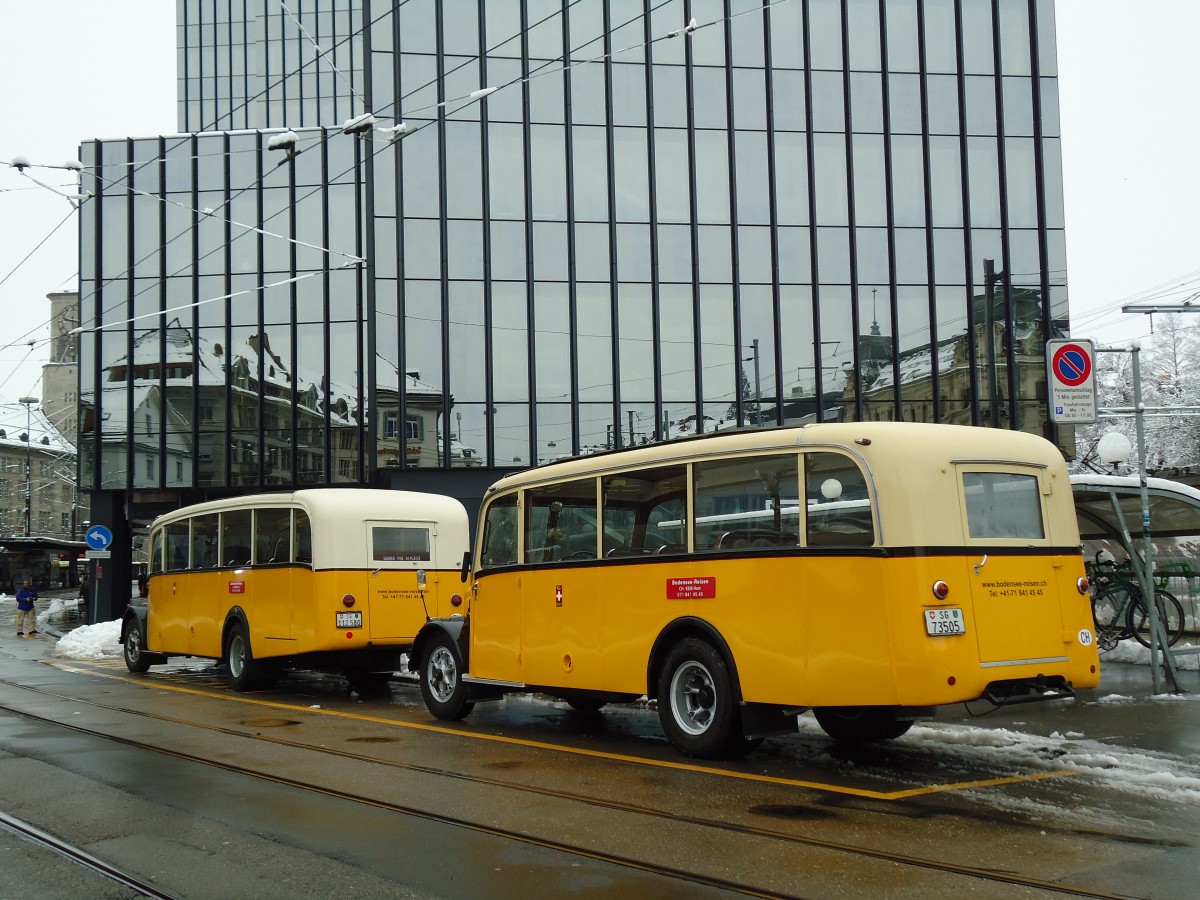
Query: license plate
{"x": 349, "y": 620}
{"x": 939, "y": 622}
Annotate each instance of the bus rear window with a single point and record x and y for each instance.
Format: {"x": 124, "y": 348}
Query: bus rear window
{"x": 399, "y": 543}
{"x": 1003, "y": 505}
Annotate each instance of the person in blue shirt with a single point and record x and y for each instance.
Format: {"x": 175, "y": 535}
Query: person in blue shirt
{"x": 25, "y": 597}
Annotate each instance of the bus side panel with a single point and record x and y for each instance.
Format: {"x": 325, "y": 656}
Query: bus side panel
{"x": 846, "y": 633}
{"x": 167, "y": 615}
{"x": 560, "y": 640}
{"x": 207, "y": 596}
{"x": 315, "y": 612}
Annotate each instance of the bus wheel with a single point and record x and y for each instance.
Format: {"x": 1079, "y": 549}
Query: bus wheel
{"x": 136, "y": 657}
{"x": 442, "y": 687}
{"x": 860, "y": 724}
{"x": 243, "y": 670}
{"x": 695, "y": 700}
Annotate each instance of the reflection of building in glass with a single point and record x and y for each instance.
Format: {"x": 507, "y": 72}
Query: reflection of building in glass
{"x": 782, "y": 215}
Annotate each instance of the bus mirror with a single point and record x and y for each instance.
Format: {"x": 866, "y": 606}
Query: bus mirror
{"x": 421, "y": 581}
{"x": 466, "y": 567}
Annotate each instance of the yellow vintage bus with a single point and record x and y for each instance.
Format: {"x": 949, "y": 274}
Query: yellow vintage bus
{"x": 869, "y": 571}
{"x": 335, "y": 579}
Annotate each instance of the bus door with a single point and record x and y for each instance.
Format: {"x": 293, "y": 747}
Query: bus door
{"x": 495, "y": 612}
{"x": 1016, "y": 615}
{"x": 561, "y": 588}
{"x": 398, "y": 551}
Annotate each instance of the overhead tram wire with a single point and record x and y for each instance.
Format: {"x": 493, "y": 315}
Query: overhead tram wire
{"x": 258, "y": 181}
{"x": 468, "y": 100}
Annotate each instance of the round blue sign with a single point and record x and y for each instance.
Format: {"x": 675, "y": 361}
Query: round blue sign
{"x": 98, "y": 537}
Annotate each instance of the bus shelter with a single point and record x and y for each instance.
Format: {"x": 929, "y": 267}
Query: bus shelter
{"x": 1109, "y": 511}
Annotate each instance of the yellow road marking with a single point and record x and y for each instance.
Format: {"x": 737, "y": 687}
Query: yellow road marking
{"x": 579, "y": 751}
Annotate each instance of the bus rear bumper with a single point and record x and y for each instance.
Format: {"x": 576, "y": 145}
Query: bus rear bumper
{"x": 1028, "y": 690}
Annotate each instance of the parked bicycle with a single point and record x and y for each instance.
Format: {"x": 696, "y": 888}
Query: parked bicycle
{"x": 1120, "y": 610}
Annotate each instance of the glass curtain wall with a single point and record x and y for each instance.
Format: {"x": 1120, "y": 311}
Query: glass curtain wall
{"x": 599, "y": 228}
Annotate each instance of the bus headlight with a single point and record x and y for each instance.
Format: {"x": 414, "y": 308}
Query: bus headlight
{"x": 941, "y": 590}
{"x": 348, "y": 600}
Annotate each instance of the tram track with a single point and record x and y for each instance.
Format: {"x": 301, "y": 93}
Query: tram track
{"x": 908, "y": 860}
{"x": 80, "y": 857}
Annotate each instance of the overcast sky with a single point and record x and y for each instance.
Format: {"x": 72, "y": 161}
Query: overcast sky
{"x": 1129, "y": 76}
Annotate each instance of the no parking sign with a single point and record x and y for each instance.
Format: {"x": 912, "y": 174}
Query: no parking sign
{"x": 1071, "y": 379}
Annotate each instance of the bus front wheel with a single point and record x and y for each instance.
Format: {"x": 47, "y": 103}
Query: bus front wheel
{"x": 442, "y": 687}
{"x": 695, "y": 700}
{"x": 134, "y": 649}
{"x": 860, "y": 724}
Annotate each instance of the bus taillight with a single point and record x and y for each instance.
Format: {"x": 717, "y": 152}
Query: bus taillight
{"x": 1082, "y": 585}
{"x": 941, "y": 590}
{"x": 456, "y": 600}
{"x": 348, "y": 600}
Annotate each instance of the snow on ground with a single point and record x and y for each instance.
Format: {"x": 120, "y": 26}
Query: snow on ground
{"x": 99, "y": 641}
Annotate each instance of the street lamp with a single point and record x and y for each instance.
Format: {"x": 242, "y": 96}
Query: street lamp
{"x": 28, "y": 403}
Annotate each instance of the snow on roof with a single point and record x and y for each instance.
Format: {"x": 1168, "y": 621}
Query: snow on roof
{"x": 45, "y": 438}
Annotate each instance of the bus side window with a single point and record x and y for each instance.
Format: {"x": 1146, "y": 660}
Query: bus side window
{"x": 500, "y": 534}
{"x": 644, "y": 511}
{"x": 837, "y": 506}
{"x": 303, "y": 538}
{"x": 747, "y": 503}
{"x": 272, "y": 536}
{"x": 235, "y": 537}
{"x": 205, "y": 534}
{"x": 562, "y": 522}
{"x": 178, "y": 538}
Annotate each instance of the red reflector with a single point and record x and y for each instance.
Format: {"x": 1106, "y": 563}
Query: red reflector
{"x": 348, "y": 600}
{"x": 349, "y": 635}
{"x": 1082, "y": 585}
{"x": 951, "y": 681}
{"x": 456, "y": 600}
{"x": 941, "y": 590}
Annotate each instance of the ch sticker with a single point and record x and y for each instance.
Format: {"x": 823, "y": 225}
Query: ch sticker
{"x": 558, "y": 595}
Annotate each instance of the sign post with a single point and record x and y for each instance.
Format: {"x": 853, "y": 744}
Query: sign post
{"x": 1071, "y": 380}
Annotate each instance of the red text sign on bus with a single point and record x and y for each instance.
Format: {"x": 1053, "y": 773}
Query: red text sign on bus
{"x": 691, "y": 588}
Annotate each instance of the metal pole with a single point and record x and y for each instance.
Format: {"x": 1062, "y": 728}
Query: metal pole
{"x": 1147, "y": 568}
{"x": 28, "y": 402}
{"x": 757, "y": 388}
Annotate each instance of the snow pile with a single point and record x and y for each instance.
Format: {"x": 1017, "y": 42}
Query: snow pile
{"x": 97, "y": 641}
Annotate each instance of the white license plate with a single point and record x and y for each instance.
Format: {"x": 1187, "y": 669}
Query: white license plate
{"x": 349, "y": 620}
{"x": 940, "y": 622}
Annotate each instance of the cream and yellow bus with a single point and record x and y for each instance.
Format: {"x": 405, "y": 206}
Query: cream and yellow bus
{"x": 337, "y": 579}
{"x": 869, "y": 571}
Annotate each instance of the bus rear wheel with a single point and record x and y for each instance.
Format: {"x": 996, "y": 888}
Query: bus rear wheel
{"x": 695, "y": 701}
{"x": 860, "y": 724}
{"x": 244, "y": 672}
{"x": 134, "y": 649}
{"x": 442, "y": 687}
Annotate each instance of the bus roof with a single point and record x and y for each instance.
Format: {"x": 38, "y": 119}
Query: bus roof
{"x": 906, "y": 443}
{"x": 358, "y": 503}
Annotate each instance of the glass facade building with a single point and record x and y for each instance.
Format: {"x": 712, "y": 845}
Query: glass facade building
{"x": 600, "y": 225}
